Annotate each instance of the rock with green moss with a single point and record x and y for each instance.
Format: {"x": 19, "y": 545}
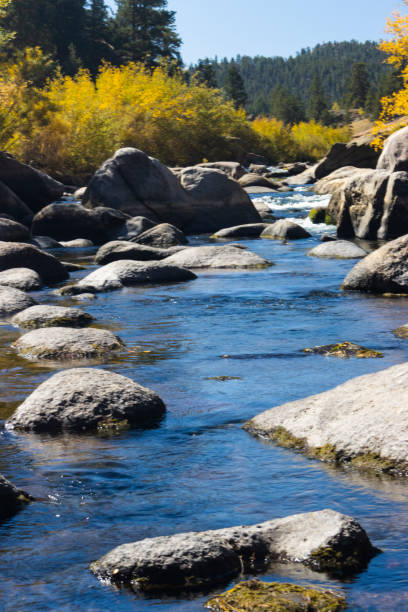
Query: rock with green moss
{"x": 68, "y": 344}
{"x": 361, "y": 423}
{"x": 204, "y": 559}
{"x": 338, "y": 249}
{"x": 51, "y": 316}
{"x": 401, "y": 332}
{"x": 87, "y": 399}
{"x": 256, "y": 596}
{"x": 344, "y": 350}
{"x": 320, "y": 215}
{"x": 11, "y": 499}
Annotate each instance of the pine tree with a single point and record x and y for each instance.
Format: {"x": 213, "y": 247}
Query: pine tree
{"x": 205, "y": 73}
{"x": 357, "y": 86}
{"x": 234, "y": 87}
{"x": 145, "y": 32}
{"x": 98, "y": 35}
{"x": 318, "y": 109}
{"x": 286, "y": 107}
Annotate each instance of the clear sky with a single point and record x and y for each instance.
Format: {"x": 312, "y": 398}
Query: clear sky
{"x": 227, "y": 28}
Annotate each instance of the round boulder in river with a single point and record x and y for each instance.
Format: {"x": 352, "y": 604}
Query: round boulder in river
{"x": 21, "y": 278}
{"x": 251, "y": 230}
{"x": 11, "y": 231}
{"x": 124, "y": 249}
{"x": 338, "y": 249}
{"x": 13, "y": 300}
{"x": 163, "y": 235}
{"x": 52, "y": 316}
{"x": 217, "y": 257}
{"x": 67, "y": 344}
{"x": 285, "y": 229}
{"x": 21, "y": 255}
{"x": 85, "y": 399}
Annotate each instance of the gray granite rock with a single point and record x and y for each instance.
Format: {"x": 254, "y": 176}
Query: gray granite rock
{"x": 285, "y": 230}
{"x": 51, "y": 316}
{"x": 217, "y": 257}
{"x": 84, "y": 399}
{"x": 11, "y": 499}
{"x": 13, "y": 300}
{"x": 11, "y": 231}
{"x": 163, "y": 236}
{"x": 78, "y": 243}
{"x": 338, "y": 249}
{"x": 21, "y": 278}
{"x": 21, "y": 255}
{"x": 251, "y": 230}
{"x": 125, "y": 249}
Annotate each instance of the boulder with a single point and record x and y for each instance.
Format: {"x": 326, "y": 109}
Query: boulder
{"x": 11, "y": 231}
{"x": 52, "y": 316}
{"x": 297, "y": 168}
{"x": 338, "y": 249}
{"x": 84, "y": 399}
{"x": 304, "y": 178}
{"x": 21, "y": 255}
{"x": 251, "y": 230}
{"x": 325, "y": 540}
{"x": 122, "y": 249}
{"x": 394, "y": 156}
{"x": 320, "y": 215}
{"x": 126, "y": 273}
{"x": 338, "y": 179}
{"x": 199, "y": 200}
{"x": 78, "y": 243}
{"x": 258, "y": 169}
{"x": 263, "y": 209}
{"x": 255, "y": 180}
{"x": 45, "y": 242}
{"x": 256, "y": 596}
{"x": 344, "y": 350}
{"x": 163, "y": 235}
{"x": 361, "y": 423}
{"x": 227, "y": 256}
{"x": 79, "y": 193}
{"x": 286, "y": 230}
{"x": 11, "y": 499}
{"x": 232, "y": 169}
{"x": 11, "y": 205}
{"x": 21, "y": 278}
{"x": 33, "y": 187}
{"x": 131, "y": 228}
{"x": 254, "y": 158}
{"x": 351, "y": 154}
{"x": 67, "y": 344}
{"x": 385, "y": 270}
{"x": 13, "y": 300}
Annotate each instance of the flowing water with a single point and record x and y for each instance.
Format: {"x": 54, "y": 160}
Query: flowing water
{"x": 198, "y": 469}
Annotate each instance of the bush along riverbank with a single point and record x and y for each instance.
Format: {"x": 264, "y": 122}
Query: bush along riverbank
{"x": 194, "y": 291}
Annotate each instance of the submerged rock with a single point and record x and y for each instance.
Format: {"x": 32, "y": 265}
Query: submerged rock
{"x": 217, "y": 257}
{"x": 255, "y": 596}
{"x": 67, "y": 344}
{"x": 52, "y": 316}
{"x": 325, "y": 541}
{"x": 385, "y": 270}
{"x": 84, "y": 399}
{"x": 21, "y": 255}
{"x": 11, "y": 499}
{"x": 251, "y": 230}
{"x": 13, "y": 300}
{"x": 361, "y": 423}
{"x": 338, "y": 249}
{"x": 21, "y": 278}
{"x": 343, "y": 350}
{"x": 124, "y": 273}
{"x": 285, "y": 230}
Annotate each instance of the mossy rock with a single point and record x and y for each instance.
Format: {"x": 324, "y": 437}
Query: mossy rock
{"x": 345, "y": 350}
{"x": 255, "y": 596}
{"x": 401, "y": 332}
{"x": 320, "y": 215}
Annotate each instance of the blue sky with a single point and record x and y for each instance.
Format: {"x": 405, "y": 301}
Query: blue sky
{"x": 274, "y": 27}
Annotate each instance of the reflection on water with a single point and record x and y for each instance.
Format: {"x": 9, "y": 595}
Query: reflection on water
{"x": 198, "y": 469}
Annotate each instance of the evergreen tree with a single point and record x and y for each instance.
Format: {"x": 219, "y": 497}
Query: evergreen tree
{"x": 145, "y": 32}
{"x": 205, "y": 73}
{"x": 285, "y": 107}
{"x": 234, "y": 87}
{"x": 318, "y": 109}
{"x": 98, "y": 35}
{"x": 357, "y": 86}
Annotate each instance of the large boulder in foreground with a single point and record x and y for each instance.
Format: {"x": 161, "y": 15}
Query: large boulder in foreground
{"x": 394, "y": 156}
{"x": 256, "y": 596}
{"x": 52, "y": 316}
{"x": 84, "y": 399}
{"x": 21, "y": 255}
{"x": 36, "y": 189}
{"x": 325, "y": 541}
{"x": 198, "y": 200}
{"x": 67, "y": 344}
{"x": 11, "y": 499}
{"x": 126, "y": 273}
{"x": 13, "y": 300}
{"x": 21, "y": 278}
{"x": 385, "y": 270}
{"x": 227, "y": 256}
{"x": 350, "y": 154}
{"x": 361, "y": 423}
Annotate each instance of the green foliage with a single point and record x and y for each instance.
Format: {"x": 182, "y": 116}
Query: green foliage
{"x": 318, "y": 109}
{"x": 358, "y": 86}
{"x": 286, "y": 107}
{"x": 205, "y": 73}
{"x": 234, "y": 87}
